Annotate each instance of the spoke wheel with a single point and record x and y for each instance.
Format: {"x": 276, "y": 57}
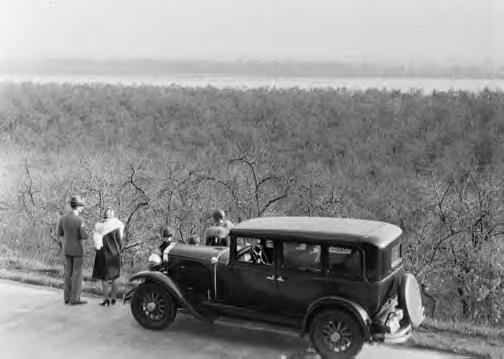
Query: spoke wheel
{"x": 336, "y": 334}
{"x": 152, "y": 306}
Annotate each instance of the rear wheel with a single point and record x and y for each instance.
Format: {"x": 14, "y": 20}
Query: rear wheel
{"x": 336, "y": 334}
{"x": 153, "y": 306}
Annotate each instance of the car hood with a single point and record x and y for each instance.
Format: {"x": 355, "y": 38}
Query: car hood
{"x": 200, "y": 253}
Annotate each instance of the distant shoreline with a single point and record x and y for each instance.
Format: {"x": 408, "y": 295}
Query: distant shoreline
{"x": 198, "y": 80}
{"x": 210, "y": 74}
{"x": 146, "y": 67}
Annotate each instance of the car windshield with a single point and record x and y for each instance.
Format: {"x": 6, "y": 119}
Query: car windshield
{"x": 254, "y": 250}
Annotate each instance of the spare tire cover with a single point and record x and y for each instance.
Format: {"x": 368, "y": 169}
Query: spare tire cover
{"x": 412, "y": 300}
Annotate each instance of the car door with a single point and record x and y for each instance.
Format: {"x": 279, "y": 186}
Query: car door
{"x": 246, "y": 283}
{"x": 300, "y": 278}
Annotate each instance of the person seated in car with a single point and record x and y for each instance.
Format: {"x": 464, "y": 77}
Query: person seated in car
{"x": 166, "y": 234}
{"x": 216, "y": 236}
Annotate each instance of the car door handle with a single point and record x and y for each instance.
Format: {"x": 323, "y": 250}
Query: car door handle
{"x": 270, "y": 277}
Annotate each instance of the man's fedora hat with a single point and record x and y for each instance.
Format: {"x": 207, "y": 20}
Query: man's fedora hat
{"x": 76, "y": 201}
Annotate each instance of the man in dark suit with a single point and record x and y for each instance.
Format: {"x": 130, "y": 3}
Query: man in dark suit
{"x": 72, "y": 229}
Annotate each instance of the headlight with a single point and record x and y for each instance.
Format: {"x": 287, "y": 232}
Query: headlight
{"x": 154, "y": 259}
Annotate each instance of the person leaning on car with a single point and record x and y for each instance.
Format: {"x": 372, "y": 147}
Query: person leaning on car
{"x": 72, "y": 228}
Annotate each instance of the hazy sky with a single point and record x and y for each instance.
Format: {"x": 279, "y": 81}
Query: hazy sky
{"x": 398, "y": 31}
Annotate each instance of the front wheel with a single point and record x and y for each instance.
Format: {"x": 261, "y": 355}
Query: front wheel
{"x": 336, "y": 335}
{"x": 153, "y": 306}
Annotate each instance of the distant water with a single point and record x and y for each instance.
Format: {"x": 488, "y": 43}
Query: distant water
{"x": 243, "y": 82}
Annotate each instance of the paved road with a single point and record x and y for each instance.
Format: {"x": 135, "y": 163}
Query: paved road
{"x": 34, "y": 323}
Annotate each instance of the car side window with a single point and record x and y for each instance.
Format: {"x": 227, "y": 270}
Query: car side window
{"x": 345, "y": 262}
{"x": 302, "y": 256}
{"x": 254, "y": 251}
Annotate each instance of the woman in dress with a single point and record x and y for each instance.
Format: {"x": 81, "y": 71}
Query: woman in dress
{"x": 108, "y": 235}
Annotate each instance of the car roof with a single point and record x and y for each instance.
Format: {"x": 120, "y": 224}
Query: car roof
{"x": 320, "y": 229}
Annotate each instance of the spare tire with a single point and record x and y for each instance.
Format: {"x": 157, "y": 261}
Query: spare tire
{"x": 411, "y": 300}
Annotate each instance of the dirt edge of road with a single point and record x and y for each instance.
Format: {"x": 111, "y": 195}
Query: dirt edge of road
{"x": 425, "y": 337}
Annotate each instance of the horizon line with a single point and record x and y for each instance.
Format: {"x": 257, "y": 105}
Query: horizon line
{"x": 487, "y": 64}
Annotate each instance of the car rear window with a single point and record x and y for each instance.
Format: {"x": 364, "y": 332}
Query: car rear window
{"x": 395, "y": 255}
{"x": 302, "y": 256}
{"x": 345, "y": 262}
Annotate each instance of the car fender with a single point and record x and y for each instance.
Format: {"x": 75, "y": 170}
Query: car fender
{"x": 337, "y": 302}
{"x": 172, "y": 288}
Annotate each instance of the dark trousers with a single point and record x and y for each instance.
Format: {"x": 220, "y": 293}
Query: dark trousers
{"x": 73, "y": 278}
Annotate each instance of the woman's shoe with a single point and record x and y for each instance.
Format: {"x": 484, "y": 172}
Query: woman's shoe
{"x": 105, "y": 302}
{"x": 113, "y": 301}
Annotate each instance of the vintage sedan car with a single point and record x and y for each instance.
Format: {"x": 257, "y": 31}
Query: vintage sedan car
{"x": 341, "y": 281}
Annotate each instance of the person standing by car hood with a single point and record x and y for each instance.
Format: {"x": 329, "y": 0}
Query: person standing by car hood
{"x": 217, "y": 233}
{"x": 219, "y": 219}
{"x": 72, "y": 228}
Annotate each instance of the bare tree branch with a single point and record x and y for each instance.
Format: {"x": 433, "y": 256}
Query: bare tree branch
{"x": 250, "y": 165}
{"x": 441, "y": 241}
{"x": 270, "y": 202}
{"x": 55, "y": 238}
{"x": 231, "y": 189}
{"x": 290, "y": 182}
{"x": 139, "y": 205}
{"x": 29, "y": 187}
{"x": 134, "y": 184}
{"x": 266, "y": 179}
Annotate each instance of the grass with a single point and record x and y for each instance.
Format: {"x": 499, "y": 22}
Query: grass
{"x": 34, "y": 272}
{"x": 461, "y": 338}
{"x": 465, "y": 328}
{"x": 453, "y": 337}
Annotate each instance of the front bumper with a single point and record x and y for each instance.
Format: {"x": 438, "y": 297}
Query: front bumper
{"x": 401, "y": 336}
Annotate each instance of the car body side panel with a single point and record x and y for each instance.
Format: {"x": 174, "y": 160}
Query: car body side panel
{"x": 192, "y": 274}
{"x": 201, "y": 253}
{"x": 247, "y": 285}
{"x": 296, "y": 289}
